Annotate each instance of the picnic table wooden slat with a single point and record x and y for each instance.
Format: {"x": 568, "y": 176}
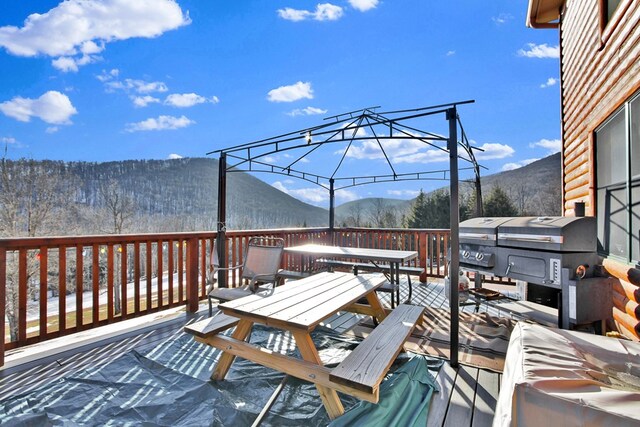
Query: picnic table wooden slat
{"x": 365, "y": 254}
{"x": 283, "y": 292}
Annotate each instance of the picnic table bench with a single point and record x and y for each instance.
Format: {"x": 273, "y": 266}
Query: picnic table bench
{"x": 389, "y": 286}
{"x": 299, "y": 308}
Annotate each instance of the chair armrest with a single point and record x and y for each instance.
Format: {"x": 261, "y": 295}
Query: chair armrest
{"x": 257, "y": 277}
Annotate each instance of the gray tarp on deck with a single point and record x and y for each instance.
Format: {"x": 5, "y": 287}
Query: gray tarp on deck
{"x": 170, "y": 386}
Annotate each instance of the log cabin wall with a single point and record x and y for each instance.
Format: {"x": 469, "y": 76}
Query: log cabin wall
{"x": 626, "y": 299}
{"x": 600, "y": 70}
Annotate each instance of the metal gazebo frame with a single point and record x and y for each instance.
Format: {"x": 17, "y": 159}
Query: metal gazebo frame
{"x": 345, "y": 128}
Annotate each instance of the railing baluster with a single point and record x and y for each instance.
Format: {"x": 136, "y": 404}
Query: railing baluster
{"x": 160, "y": 275}
{"x": 95, "y": 277}
{"x": 124, "y": 298}
{"x": 148, "y": 270}
{"x": 181, "y": 271}
{"x": 44, "y": 287}
{"x": 62, "y": 289}
{"x": 136, "y": 277}
{"x": 22, "y": 296}
{"x": 203, "y": 266}
{"x": 110, "y": 282}
{"x": 79, "y": 286}
{"x": 170, "y": 270}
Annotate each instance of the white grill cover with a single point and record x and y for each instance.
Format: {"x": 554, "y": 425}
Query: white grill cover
{"x": 556, "y": 377}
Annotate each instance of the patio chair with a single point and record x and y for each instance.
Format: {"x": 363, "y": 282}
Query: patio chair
{"x": 261, "y": 264}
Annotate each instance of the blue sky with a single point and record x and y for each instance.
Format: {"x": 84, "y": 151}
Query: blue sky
{"x": 153, "y": 79}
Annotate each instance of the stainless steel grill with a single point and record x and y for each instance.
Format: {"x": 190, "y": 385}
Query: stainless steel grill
{"x": 550, "y": 251}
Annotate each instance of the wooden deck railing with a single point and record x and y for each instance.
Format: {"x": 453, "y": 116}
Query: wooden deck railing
{"x": 55, "y": 286}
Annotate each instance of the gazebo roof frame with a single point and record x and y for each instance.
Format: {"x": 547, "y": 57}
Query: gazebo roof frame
{"x": 247, "y": 155}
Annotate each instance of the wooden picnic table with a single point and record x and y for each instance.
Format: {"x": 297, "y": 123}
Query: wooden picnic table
{"x": 393, "y": 259}
{"x": 299, "y": 307}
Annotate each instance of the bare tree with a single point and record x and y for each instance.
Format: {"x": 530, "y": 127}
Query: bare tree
{"x": 520, "y": 194}
{"x": 376, "y": 212}
{"x": 33, "y": 201}
{"x": 118, "y": 206}
{"x": 355, "y": 215}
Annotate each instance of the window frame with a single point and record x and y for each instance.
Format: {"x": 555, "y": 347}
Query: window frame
{"x": 608, "y": 25}
{"x": 627, "y": 184}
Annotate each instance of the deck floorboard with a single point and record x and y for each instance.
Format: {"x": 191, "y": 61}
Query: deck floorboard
{"x": 467, "y": 395}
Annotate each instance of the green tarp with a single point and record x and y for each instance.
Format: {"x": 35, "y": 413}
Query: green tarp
{"x": 404, "y": 398}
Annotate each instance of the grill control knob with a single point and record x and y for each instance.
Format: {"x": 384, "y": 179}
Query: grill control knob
{"x": 466, "y": 254}
{"x": 479, "y": 256}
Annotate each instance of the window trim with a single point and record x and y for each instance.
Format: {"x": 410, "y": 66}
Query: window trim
{"x": 625, "y": 108}
{"x": 607, "y": 28}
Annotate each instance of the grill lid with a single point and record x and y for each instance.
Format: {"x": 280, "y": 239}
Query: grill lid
{"x": 561, "y": 234}
{"x": 481, "y": 231}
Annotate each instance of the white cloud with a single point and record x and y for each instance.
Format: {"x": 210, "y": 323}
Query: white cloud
{"x": 309, "y": 111}
{"x": 363, "y": 5}
{"x": 174, "y": 156}
{"x": 502, "y": 18}
{"x": 184, "y": 100}
{"x": 65, "y": 64}
{"x": 108, "y": 75}
{"x": 315, "y": 195}
{"x": 451, "y": 52}
{"x": 270, "y": 159}
{"x": 160, "y": 123}
{"x": 551, "y": 145}
{"x": 540, "y": 51}
{"x": 403, "y": 193}
{"x": 291, "y": 93}
{"x": 516, "y": 165}
{"x": 143, "y": 101}
{"x": 138, "y": 86}
{"x": 76, "y": 30}
{"x": 52, "y": 129}
{"x": 8, "y": 140}
{"x": 550, "y": 82}
{"x": 323, "y": 12}
{"x": 52, "y": 107}
{"x": 494, "y": 151}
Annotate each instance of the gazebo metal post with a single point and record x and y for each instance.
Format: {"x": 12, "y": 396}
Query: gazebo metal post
{"x": 332, "y": 207}
{"x": 477, "y": 280}
{"x": 222, "y": 214}
{"x": 454, "y": 268}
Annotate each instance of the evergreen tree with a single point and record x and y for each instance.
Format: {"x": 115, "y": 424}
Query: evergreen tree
{"x": 499, "y": 204}
{"x": 418, "y": 214}
{"x": 434, "y": 211}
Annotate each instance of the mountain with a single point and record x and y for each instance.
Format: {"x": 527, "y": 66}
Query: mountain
{"x": 534, "y": 189}
{"x": 171, "y": 195}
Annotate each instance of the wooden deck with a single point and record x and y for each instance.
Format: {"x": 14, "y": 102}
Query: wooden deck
{"x": 467, "y": 398}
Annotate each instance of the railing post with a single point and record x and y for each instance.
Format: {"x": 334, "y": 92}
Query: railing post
{"x": 422, "y": 254}
{"x": 192, "y": 275}
{"x": 3, "y": 299}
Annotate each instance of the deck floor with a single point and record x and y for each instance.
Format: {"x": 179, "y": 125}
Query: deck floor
{"x": 467, "y": 398}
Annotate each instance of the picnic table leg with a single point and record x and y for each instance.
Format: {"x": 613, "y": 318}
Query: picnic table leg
{"x": 309, "y": 353}
{"x": 224, "y": 363}
{"x": 376, "y": 305}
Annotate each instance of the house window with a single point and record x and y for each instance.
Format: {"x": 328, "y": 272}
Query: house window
{"x": 610, "y": 7}
{"x": 618, "y": 183}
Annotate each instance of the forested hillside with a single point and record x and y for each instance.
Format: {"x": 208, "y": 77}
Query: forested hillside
{"x": 533, "y": 189}
{"x": 139, "y": 196}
